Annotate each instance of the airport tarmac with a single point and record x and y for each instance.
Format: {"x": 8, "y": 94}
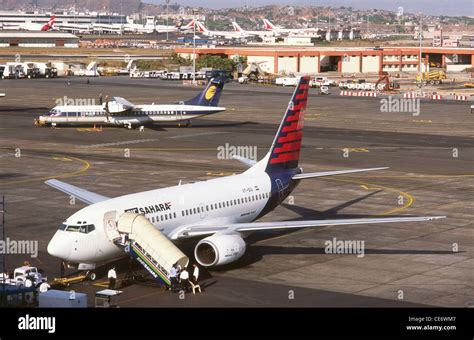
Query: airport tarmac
{"x": 431, "y": 160}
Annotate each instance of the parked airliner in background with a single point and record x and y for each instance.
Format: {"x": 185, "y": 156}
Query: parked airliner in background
{"x": 30, "y": 26}
{"x": 280, "y": 30}
{"x": 220, "y": 211}
{"x": 123, "y": 113}
{"x": 246, "y": 33}
{"x": 188, "y": 28}
{"x": 222, "y": 34}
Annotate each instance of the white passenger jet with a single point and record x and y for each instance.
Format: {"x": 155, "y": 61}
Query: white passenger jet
{"x": 121, "y": 112}
{"x": 218, "y": 213}
{"x": 222, "y": 34}
{"x": 281, "y": 30}
{"x": 188, "y": 28}
{"x": 30, "y": 26}
{"x": 243, "y": 32}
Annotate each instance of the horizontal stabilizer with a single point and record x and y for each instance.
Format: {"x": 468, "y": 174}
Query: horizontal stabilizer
{"x": 81, "y": 194}
{"x": 248, "y": 162}
{"x": 332, "y": 173}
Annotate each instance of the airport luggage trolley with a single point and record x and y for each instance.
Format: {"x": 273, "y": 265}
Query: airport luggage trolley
{"x": 107, "y": 298}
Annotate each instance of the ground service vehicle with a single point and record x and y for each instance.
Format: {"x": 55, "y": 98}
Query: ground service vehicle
{"x": 432, "y": 77}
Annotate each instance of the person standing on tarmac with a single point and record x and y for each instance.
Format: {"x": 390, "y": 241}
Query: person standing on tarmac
{"x": 195, "y": 273}
{"x": 112, "y": 276}
{"x": 184, "y": 278}
{"x": 173, "y": 276}
{"x": 44, "y": 286}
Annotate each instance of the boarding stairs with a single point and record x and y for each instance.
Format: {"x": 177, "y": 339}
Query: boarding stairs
{"x": 142, "y": 241}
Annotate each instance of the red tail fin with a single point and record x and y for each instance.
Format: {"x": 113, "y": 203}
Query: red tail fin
{"x": 285, "y": 150}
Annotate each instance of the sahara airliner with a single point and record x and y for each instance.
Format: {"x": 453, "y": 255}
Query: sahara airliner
{"x": 218, "y": 214}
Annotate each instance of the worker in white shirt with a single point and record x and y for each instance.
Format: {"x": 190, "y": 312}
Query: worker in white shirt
{"x": 112, "y": 276}
{"x": 195, "y": 273}
{"x": 173, "y": 276}
{"x": 184, "y": 278}
{"x": 44, "y": 286}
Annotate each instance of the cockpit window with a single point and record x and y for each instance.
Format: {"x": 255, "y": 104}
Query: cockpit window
{"x": 74, "y": 228}
{"x": 53, "y": 112}
{"x": 85, "y": 229}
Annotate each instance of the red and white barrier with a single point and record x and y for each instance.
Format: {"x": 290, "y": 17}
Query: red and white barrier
{"x": 436, "y": 97}
{"x": 358, "y": 94}
{"x": 460, "y": 97}
{"x": 411, "y": 95}
{"x": 367, "y": 94}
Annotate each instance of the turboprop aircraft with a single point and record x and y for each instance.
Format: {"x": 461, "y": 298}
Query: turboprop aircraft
{"x": 121, "y": 112}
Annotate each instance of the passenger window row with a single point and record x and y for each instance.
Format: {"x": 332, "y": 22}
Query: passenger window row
{"x": 157, "y": 112}
{"x": 220, "y": 205}
{"x": 162, "y": 218}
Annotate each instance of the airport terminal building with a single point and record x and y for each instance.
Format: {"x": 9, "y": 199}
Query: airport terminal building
{"x": 14, "y": 17}
{"x": 345, "y": 60}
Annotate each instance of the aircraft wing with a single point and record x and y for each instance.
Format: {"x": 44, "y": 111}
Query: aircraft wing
{"x": 81, "y": 194}
{"x": 125, "y": 103}
{"x": 332, "y": 173}
{"x": 197, "y": 230}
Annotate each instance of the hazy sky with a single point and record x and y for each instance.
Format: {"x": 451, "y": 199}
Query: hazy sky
{"x": 434, "y": 7}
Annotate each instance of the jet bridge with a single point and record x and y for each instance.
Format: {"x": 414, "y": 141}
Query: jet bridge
{"x": 146, "y": 244}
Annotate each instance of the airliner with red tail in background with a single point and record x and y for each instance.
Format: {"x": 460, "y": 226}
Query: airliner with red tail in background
{"x": 30, "y": 26}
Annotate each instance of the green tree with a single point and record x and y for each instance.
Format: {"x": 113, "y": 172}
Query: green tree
{"x": 218, "y": 62}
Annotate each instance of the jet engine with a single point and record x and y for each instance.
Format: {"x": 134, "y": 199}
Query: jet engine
{"x": 219, "y": 249}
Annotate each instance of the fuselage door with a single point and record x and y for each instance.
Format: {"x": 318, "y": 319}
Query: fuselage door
{"x": 202, "y": 211}
{"x": 179, "y": 113}
{"x": 110, "y": 226}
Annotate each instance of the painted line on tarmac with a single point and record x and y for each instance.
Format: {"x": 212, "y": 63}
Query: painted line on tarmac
{"x": 409, "y": 198}
{"x": 85, "y": 167}
{"x": 197, "y": 134}
{"x": 119, "y": 143}
{"x": 367, "y": 186}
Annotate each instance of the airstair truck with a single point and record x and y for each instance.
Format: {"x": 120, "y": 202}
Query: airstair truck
{"x": 146, "y": 244}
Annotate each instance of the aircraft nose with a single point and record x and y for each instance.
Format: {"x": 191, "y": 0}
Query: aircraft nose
{"x": 59, "y": 246}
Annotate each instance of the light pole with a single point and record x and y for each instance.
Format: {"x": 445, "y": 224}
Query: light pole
{"x": 167, "y": 15}
{"x": 194, "y": 47}
{"x": 420, "y": 36}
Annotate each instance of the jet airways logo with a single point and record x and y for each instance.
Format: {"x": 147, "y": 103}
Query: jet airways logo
{"x": 151, "y": 208}
{"x": 210, "y": 92}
